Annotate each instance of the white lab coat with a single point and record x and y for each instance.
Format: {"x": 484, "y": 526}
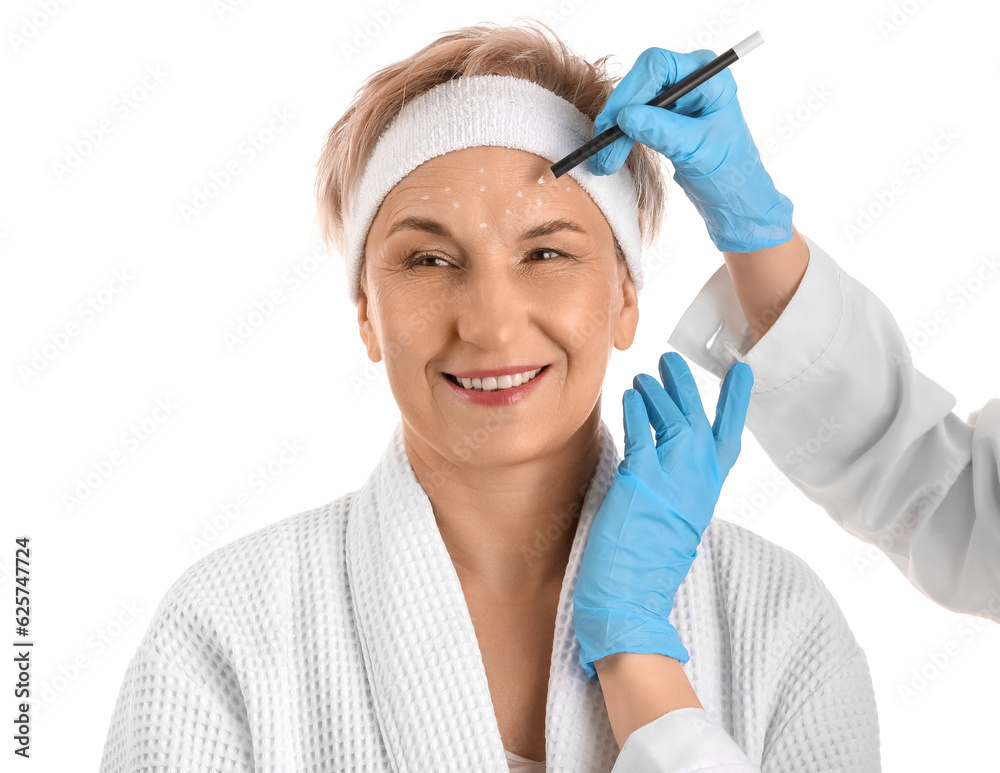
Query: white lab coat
{"x": 840, "y": 409}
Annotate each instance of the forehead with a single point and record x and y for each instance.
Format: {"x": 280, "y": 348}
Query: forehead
{"x": 490, "y": 172}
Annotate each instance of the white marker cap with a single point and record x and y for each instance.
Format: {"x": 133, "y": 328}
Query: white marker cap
{"x": 744, "y": 47}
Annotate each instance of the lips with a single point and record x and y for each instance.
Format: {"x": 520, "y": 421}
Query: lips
{"x": 496, "y": 398}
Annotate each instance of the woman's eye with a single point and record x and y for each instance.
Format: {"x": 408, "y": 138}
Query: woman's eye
{"x": 552, "y": 252}
{"x": 418, "y": 260}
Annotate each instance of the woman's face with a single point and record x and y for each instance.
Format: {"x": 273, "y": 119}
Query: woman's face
{"x": 478, "y": 291}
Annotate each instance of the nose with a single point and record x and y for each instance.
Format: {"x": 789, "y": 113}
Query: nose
{"x": 496, "y": 308}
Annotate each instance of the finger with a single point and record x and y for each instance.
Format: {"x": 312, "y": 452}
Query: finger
{"x": 638, "y": 439}
{"x": 654, "y": 70}
{"x": 609, "y": 160}
{"x": 730, "y": 415}
{"x": 679, "y": 383}
{"x": 678, "y": 137}
{"x": 710, "y": 96}
{"x": 664, "y": 415}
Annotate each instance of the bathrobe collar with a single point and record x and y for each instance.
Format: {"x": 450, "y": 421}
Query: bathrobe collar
{"x": 424, "y": 667}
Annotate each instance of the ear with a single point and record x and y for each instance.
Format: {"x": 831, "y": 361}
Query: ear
{"x": 628, "y": 315}
{"x": 365, "y": 325}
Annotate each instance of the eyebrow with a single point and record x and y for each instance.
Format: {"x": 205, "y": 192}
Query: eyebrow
{"x": 434, "y": 227}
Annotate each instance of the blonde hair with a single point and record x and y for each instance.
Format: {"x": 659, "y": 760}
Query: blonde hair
{"x": 483, "y": 49}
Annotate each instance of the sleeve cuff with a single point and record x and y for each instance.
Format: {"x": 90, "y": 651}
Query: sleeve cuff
{"x": 682, "y": 741}
{"x": 713, "y": 332}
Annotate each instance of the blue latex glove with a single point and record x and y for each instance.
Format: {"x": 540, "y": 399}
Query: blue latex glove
{"x": 646, "y": 533}
{"x": 704, "y": 135}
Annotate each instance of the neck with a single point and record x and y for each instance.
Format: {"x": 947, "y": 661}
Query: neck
{"x": 509, "y": 528}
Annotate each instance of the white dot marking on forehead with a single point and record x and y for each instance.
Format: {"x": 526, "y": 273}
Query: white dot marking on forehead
{"x": 538, "y": 202}
{"x": 519, "y": 193}
{"x": 482, "y": 225}
{"x": 481, "y": 170}
{"x": 446, "y": 190}
{"x": 508, "y": 211}
{"x": 482, "y": 187}
{"x": 454, "y": 203}
{"x": 425, "y": 197}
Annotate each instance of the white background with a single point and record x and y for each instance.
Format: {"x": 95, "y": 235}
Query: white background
{"x": 100, "y": 568}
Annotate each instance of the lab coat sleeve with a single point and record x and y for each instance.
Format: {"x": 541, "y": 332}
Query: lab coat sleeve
{"x": 176, "y": 713}
{"x": 682, "y": 741}
{"x": 838, "y": 406}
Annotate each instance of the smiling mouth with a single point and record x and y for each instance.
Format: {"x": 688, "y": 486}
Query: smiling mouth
{"x": 455, "y": 380}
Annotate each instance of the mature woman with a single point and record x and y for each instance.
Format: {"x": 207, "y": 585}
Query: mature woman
{"x": 416, "y": 624}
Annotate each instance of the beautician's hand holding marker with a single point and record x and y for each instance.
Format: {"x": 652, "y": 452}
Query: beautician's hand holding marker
{"x": 876, "y": 446}
{"x": 706, "y": 138}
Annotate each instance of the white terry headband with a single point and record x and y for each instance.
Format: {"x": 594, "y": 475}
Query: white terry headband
{"x": 498, "y": 110}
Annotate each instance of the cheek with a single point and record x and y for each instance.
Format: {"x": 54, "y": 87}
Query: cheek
{"x": 413, "y": 327}
{"x": 582, "y": 325}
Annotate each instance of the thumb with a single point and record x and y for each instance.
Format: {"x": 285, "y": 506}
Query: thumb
{"x": 730, "y": 415}
{"x": 638, "y": 439}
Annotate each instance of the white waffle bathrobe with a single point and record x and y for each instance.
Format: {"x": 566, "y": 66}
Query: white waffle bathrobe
{"x": 339, "y": 640}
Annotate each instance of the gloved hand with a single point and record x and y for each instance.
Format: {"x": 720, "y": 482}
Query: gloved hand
{"x": 645, "y": 534}
{"x": 704, "y": 135}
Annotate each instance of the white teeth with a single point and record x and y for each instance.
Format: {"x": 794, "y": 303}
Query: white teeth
{"x": 495, "y": 384}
